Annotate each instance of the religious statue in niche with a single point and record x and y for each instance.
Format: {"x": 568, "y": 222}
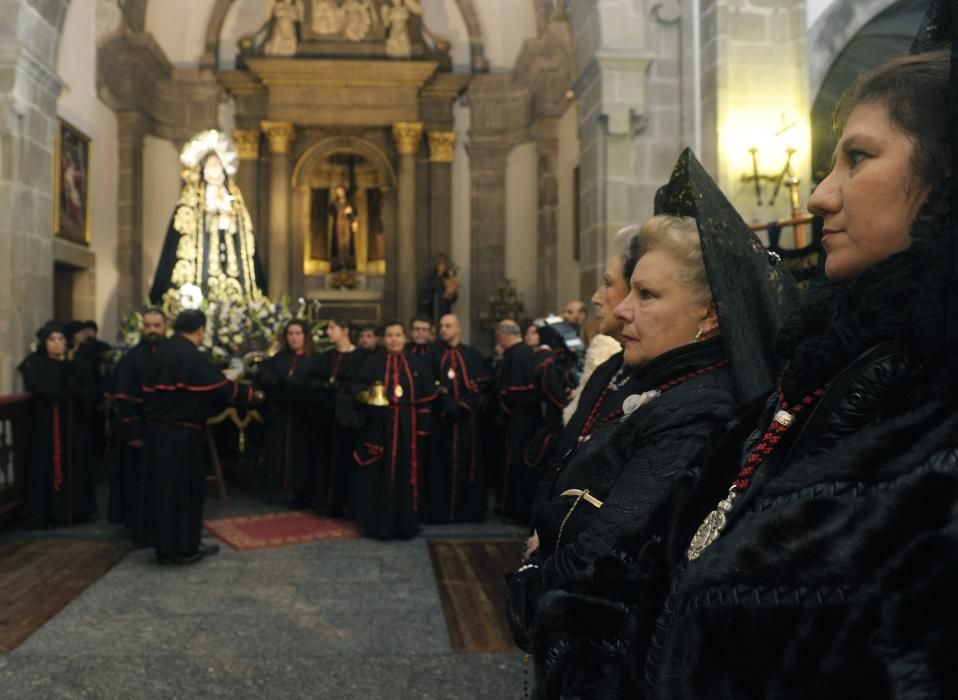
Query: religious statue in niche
{"x": 442, "y": 289}
{"x": 343, "y": 224}
{"x": 209, "y": 248}
{"x": 285, "y": 17}
{"x": 396, "y": 15}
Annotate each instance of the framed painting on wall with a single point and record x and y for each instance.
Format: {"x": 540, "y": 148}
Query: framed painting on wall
{"x": 71, "y": 184}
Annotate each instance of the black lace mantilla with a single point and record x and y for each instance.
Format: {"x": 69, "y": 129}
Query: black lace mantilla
{"x": 753, "y": 295}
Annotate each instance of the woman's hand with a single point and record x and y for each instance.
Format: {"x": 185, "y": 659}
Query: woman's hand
{"x": 532, "y": 544}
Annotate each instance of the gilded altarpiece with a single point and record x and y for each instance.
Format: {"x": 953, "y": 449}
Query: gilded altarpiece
{"x": 360, "y": 100}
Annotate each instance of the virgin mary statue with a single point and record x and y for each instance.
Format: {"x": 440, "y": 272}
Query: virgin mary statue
{"x": 209, "y": 248}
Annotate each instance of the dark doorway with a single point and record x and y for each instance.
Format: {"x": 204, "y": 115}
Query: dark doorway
{"x": 64, "y": 284}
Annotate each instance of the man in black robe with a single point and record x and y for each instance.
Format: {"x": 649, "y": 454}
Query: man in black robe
{"x": 457, "y": 488}
{"x": 389, "y": 500}
{"x": 187, "y": 390}
{"x": 58, "y": 487}
{"x": 341, "y": 416}
{"x": 521, "y": 413}
{"x": 136, "y": 369}
{"x": 421, "y": 346}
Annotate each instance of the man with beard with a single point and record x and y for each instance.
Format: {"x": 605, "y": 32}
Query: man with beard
{"x": 456, "y": 486}
{"x": 521, "y": 413}
{"x": 419, "y": 331}
{"x": 135, "y": 370}
{"x": 187, "y": 390}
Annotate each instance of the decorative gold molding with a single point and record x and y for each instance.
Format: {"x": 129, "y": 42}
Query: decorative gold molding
{"x": 361, "y": 73}
{"x": 280, "y": 135}
{"x": 247, "y": 143}
{"x": 407, "y": 136}
{"x": 442, "y": 146}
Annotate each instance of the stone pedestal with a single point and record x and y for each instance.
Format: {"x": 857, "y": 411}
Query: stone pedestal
{"x": 280, "y": 135}
{"x": 407, "y": 136}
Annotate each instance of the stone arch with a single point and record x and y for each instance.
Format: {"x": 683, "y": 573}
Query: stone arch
{"x": 833, "y": 30}
{"x": 214, "y": 28}
{"x": 324, "y": 148}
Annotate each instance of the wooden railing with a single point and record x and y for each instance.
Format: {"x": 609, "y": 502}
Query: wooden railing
{"x": 14, "y": 438}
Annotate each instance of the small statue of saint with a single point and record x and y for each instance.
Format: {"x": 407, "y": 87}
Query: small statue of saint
{"x": 358, "y": 17}
{"x": 441, "y": 290}
{"x": 396, "y": 15}
{"x": 343, "y": 225}
{"x": 285, "y": 16}
{"x": 328, "y": 17}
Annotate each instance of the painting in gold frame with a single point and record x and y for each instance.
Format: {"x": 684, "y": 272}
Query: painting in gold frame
{"x": 71, "y": 184}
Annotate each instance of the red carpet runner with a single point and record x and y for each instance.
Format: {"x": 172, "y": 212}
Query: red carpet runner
{"x": 278, "y": 530}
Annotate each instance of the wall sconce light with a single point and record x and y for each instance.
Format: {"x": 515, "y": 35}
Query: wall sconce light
{"x": 786, "y": 177}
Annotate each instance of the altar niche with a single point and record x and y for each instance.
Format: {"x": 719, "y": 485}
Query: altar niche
{"x": 346, "y": 240}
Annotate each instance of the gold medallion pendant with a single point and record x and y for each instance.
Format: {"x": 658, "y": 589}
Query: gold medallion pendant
{"x": 398, "y": 392}
{"x": 711, "y": 527}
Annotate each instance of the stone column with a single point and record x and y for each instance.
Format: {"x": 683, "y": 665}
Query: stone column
{"x": 547, "y": 156}
{"x": 280, "y": 135}
{"x": 442, "y": 148}
{"x": 488, "y": 234}
{"x": 131, "y": 287}
{"x": 407, "y": 136}
{"x": 247, "y": 147}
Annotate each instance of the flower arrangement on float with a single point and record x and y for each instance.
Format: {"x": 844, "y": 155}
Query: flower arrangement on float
{"x": 234, "y": 329}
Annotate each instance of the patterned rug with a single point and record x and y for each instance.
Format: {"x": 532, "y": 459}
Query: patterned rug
{"x": 470, "y": 575}
{"x": 278, "y": 530}
{"x": 40, "y": 576}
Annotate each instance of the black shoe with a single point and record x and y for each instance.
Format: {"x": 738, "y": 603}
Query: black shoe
{"x": 208, "y": 550}
{"x": 178, "y": 559}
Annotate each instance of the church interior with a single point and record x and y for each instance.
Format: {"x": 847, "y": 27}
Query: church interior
{"x": 353, "y": 161}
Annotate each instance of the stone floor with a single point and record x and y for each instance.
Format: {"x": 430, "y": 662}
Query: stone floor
{"x": 343, "y": 619}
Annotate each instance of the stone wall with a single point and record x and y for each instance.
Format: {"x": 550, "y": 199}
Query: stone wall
{"x": 29, "y": 86}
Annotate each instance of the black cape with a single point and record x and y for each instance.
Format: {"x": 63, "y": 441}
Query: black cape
{"x": 389, "y": 495}
{"x": 136, "y": 369}
{"x": 341, "y": 416}
{"x": 59, "y": 483}
{"x": 456, "y": 483}
{"x": 186, "y": 392}
{"x": 289, "y": 382}
{"x": 521, "y": 412}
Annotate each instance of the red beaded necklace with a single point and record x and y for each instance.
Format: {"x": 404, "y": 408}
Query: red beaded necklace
{"x": 715, "y": 522}
{"x": 592, "y": 423}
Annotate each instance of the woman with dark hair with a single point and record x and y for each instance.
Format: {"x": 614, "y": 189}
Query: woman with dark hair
{"x": 695, "y": 355}
{"x": 340, "y": 417}
{"x": 821, "y": 559}
{"x": 289, "y": 379}
{"x": 829, "y": 563}
{"x": 59, "y": 486}
{"x": 389, "y": 496}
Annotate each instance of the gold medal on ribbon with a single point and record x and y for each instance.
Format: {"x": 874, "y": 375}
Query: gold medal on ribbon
{"x": 451, "y": 374}
{"x": 398, "y": 391}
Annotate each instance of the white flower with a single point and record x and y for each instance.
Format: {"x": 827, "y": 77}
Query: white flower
{"x": 634, "y": 401}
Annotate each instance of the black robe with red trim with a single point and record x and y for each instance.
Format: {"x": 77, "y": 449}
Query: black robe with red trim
{"x": 456, "y": 488}
{"x": 187, "y": 391}
{"x": 340, "y": 418}
{"x": 428, "y": 354}
{"x": 553, "y": 386}
{"x": 58, "y": 479}
{"x": 290, "y": 381}
{"x": 521, "y": 412}
{"x": 389, "y": 498}
{"x": 136, "y": 369}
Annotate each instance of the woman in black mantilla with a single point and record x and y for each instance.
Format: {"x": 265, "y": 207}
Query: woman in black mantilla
{"x": 820, "y": 559}
{"x": 288, "y": 379}
{"x": 835, "y": 571}
{"x": 389, "y": 499}
{"x": 696, "y": 356}
{"x": 59, "y": 488}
